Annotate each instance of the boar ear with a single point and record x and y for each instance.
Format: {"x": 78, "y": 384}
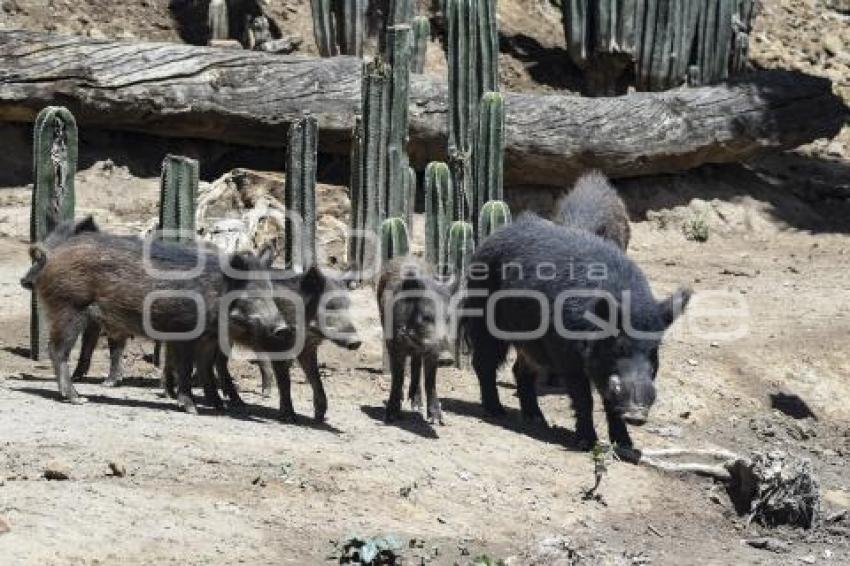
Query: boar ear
{"x": 267, "y": 256}
{"x": 38, "y": 253}
{"x": 674, "y": 305}
{"x": 87, "y": 224}
{"x": 313, "y": 281}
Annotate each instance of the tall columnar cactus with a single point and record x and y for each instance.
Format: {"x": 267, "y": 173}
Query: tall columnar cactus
{"x": 421, "y": 36}
{"x": 370, "y": 160}
{"x": 350, "y": 21}
{"x": 218, "y": 20}
{"x": 410, "y": 183}
{"x": 489, "y": 151}
{"x": 398, "y": 52}
{"x": 461, "y": 245}
{"x": 54, "y": 167}
{"x": 356, "y": 195}
{"x": 398, "y": 12}
{"x": 178, "y": 194}
{"x": 439, "y": 211}
{"x": 494, "y": 215}
{"x": 395, "y": 241}
{"x": 665, "y": 42}
{"x": 300, "y": 193}
{"x": 324, "y": 27}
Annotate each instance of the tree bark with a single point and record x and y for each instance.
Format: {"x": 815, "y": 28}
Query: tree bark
{"x": 251, "y": 98}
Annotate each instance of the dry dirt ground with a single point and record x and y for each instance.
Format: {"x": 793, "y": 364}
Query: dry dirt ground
{"x": 243, "y": 488}
{"x": 222, "y": 488}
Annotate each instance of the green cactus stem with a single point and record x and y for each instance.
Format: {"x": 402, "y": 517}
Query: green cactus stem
{"x": 395, "y": 241}
{"x": 178, "y": 194}
{"x": 421, "y": 36}
{"x": 494, "y": 215}
{"x": 461, "y": 245}
{"x": 439, "y": 211}
{"x": 55, "y": 150}
{"x": 218, "y": 20}
{"x": 324, "y": 27}
{"x": 489, "y": 151}
{"x": 300, "y": 194}
{"x": 399, "y": 45}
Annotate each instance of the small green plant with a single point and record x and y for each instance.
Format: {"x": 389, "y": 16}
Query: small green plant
{"x": 484, "y": 560}
{"x": 696, "y": 229}
{"x": 601, "y": 455}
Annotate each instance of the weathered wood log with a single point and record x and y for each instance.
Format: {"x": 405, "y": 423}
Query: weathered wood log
{"x": 251, "y": 98}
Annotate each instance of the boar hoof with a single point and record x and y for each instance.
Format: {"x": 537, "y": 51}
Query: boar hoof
{"x": 186, "y": 402}
{"x": 392, "y": 415}
{"x": 111, "y": 383}
{"x": 416, "y": 403}
{"x": 77, "y": 400}
{"x": 287, "y": 417}
{"x": 266, "y": 392}
{"x": 236, "y": 403}
{"x": 586, "y": 442}
{"x": 535, "y": 418}
{"x": 495, "y": 411}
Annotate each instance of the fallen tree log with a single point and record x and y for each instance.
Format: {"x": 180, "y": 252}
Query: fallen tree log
{"x": 250, "y": 98}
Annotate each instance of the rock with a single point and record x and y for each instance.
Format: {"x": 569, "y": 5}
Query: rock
{"x": 5, "y": 527}
{"x": 56, "y": 471}
{"x": 225, "y": 44}
{"x": 117, "y": 469}
{"x": 833, "y": 45}
{"x": 768, "y": 543}
{"x": 835, "y": 149}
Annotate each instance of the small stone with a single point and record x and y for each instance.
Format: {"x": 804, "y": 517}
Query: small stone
{"x": 833, "y": 45}
{"x": 56, "y": 472}
{"x": 5, "y": 527}
{"x": 117, "y": 469}
{"x": 692, "y": 362}
{"x": 808, "y": 559}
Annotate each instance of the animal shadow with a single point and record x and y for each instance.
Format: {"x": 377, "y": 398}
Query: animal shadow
{"x": 409, "y": 421}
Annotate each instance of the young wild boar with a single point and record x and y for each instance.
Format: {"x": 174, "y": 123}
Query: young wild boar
{"x": 415, "y": 317}
{"x": 326, "y": 305}
{"x": 129, "y": 292}
{"x": 571, "y": 276}
{"x": 594, "y": 206}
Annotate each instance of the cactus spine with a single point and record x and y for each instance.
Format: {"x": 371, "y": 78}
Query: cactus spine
{"x": 54, "y": 168}
{"x": 178, "y": 193}
{"x": 394, "y": 239}
{"x": 421, "y": 35}
{"x": 439, "y": 211}
{"x": 300, "y": 194}
{"x": 218, "y": 20}
{"x": 489, "y": 151}
{"x": 494, "y": 215}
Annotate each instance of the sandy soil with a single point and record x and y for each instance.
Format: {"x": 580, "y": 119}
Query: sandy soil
{"x": 218, "y": 488}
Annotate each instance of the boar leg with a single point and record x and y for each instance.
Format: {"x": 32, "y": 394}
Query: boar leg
{"x": 582, "y": 399}
{"x": 526, "y": 378}
{"x": 310, "y": 364}
{"x": 205, "y": 358}
{"x": 281, "y": 373}
{"x": 435, "y": 412}
{"x": 415, "y": 391}
{"x": 181, "y": 356}
{"x": 485, "y": 366}
{"x": 66, "y": 325}
{"x": 90, "y": 337}
{"x": 226, "y": 380}
{"x": 170, "y": 371}
{"x": 116, "y": 368}
{"x": 397, "y": 360}
{"x": 618, "y": 433}
{"x": 266, "y": 377}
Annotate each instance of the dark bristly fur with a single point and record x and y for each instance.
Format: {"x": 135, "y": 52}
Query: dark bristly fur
{"x": 594, "y": 205}
{"x": 576, "y": 255}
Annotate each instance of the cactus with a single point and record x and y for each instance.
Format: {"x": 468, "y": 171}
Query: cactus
{"x": 54, "y": 168}
{"x": 494, "y": 215}
{"x": 399, "y": 51}
{"x": 461, "y": 244}
{"x": 410, "y": 183}
{"x": 489, "y": 151}
{"x": 421, "y": 36}
{"x": 394, "y": 239}
{"x": 665, "y": 42}
{"x": 350, "y": 23}
{"x": 439, "y": 211}
{"x": 324, "y": 27}
{"x": 369, "y": 161}
{"x": 463, "y": 59}
{"x": 178, "y": 193}
{"x": 218, "y": 20}
{"x": 300, "y": 193}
